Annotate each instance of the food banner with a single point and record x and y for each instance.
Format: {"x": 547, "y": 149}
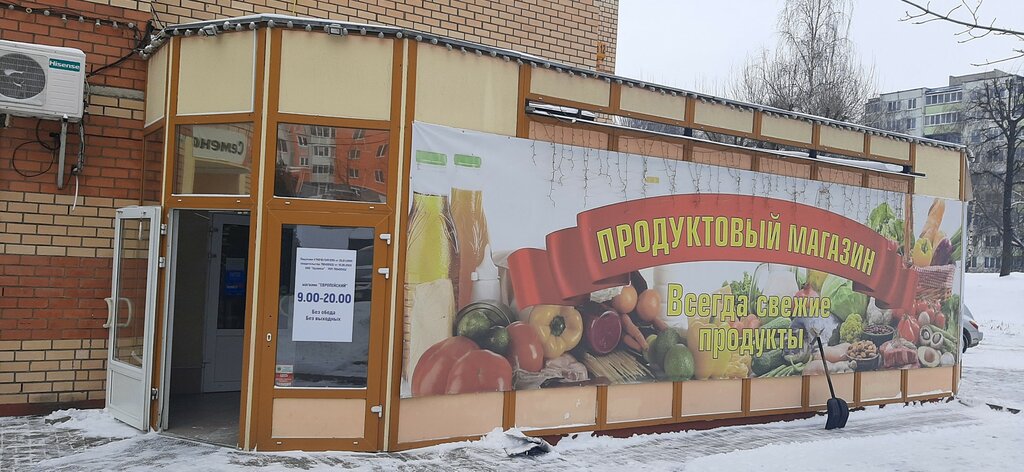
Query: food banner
{"x": 532, "y": 264}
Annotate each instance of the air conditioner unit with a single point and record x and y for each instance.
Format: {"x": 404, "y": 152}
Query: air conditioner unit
{"x": 41, "y": 81}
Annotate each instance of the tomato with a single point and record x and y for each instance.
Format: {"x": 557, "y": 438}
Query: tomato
{"x": 431, "y": 374}
{"x": 526, "y": 348}
{"x": 479, "y": 371}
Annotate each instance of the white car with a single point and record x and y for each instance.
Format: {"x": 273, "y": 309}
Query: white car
{"x": 972, "y": 334}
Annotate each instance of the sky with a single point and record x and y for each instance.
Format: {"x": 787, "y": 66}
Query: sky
{"x": 701, "y": 45}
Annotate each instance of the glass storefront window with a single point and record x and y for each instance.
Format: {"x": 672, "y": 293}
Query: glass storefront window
{"x": 213, "y": 159}
{"x": 328, "y": 163}
{"x": 318, "y": 343}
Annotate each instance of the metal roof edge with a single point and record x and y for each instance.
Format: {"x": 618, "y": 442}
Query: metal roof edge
{"x": 342, "y": 28}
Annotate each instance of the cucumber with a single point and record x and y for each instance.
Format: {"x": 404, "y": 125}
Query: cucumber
{"x": 779, "y": 323}
{"x": 767, "y": 362}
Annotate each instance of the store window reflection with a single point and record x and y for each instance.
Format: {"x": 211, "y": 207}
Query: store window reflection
{"x": 213, "y": 159}
{"x": 329, "y": 163}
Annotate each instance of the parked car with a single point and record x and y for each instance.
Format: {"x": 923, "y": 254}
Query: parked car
{"x": 972, "y": 334}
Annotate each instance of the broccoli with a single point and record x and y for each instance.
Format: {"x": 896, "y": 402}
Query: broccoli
{"x": 851, "y": 329}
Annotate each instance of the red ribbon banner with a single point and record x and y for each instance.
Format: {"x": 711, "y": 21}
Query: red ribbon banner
{"x": 612, "y": 241}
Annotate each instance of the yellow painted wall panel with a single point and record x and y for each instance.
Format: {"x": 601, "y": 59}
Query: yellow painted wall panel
{"x": 449, "y": 416}
{"x": 318, "y": 418}
{"x": 775, "y": 394}
{"x": 929, "y": 381}
{"x": 652, "y": 103}
{"x": 326, "y": 76}
{"x": 841, "y": 139}
{"x": 156, "y": 85}
{"x": 885, "y": 147}
{"x": 707, "y": 397}
{"x": 562, "y": 85}
{"x": 555, "y": 407}
{"x": 639, "y": 401}
{"x": 721, "y": 116}
{"x": 216, "y": 74}
{"x": 819, "y": 393}
{"x": 880, "y": 385}
{"x": 941, "y": 168}
{"x": 466, "y": 91}
{"x": 786, "y": 128}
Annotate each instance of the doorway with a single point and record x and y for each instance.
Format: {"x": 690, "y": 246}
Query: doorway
{"x": 207, "y": 320}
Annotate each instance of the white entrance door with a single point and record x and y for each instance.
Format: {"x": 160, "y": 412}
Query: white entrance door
{"x": 131, "y": 312}
{"x": 225, "y": 303}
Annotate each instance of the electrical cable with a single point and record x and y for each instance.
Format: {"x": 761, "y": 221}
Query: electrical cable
{"x": 140, "y": 43}
{"x": 53, "y": 158}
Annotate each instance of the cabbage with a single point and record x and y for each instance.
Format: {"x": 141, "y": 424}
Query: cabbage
{"x": 844, "y": 300}
{"x": 884, "y": 221}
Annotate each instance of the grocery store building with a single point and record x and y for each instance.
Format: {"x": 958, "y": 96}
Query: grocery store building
{"x": 251, "y": 138}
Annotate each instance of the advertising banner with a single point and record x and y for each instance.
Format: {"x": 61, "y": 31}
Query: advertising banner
{"x": 533, "y": 264}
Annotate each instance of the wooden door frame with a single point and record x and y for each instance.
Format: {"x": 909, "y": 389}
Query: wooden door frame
{"x": 267, "y": 323}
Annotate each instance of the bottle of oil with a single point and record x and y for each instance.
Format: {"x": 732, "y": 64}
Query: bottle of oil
{"x": 432, "y": 259}
{"x": 470, "y": 223}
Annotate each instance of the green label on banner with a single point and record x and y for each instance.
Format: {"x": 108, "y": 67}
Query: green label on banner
{"x": 467, "y": 161}
{"x": 433, "y": 158}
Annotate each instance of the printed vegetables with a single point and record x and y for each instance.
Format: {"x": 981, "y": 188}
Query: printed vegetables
{"x": 479, "y": 371}
{"x": 845, "y": 301}
{"x": 883, "y": 220}
{"x": 909, "y": 329}
{"x": 525, "y": 347}
{"x": 431, "y": 374}
{"x": 560, "y": 328}
{"x": 922, "y": 252}
{"x": 851, "y": 329}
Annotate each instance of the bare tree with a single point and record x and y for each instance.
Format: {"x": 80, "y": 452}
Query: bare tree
{"x": 813, "y": 68}
{"x": 996, "y": 112}
{"x": 969, "y": 18}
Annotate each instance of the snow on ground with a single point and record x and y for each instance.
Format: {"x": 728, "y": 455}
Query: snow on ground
{"x": 90, "y": 423}
{"x": 993, "y": 372}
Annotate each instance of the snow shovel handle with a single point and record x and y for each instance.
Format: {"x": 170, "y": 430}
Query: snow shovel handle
{"x": 828, "y": 377}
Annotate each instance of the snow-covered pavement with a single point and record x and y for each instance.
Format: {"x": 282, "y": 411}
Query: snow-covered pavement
{"x": 930, "y": 437}
{"x": 994, "y": 371}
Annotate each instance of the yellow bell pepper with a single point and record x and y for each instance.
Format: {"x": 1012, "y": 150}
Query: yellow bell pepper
{"x": 729, "y": 364}
{"x": 561, "y": 328}
{"x": 704, "y": 365}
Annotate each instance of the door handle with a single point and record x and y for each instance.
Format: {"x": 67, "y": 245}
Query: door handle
{"x": 110, "y": 312}
{"x": 386, "y": 272}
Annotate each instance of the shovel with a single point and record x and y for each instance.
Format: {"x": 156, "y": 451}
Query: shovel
{"x": 838, "y": 410}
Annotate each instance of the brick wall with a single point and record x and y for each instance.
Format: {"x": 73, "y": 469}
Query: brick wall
{"x": 57, "y": 371}
{"x": 569, "y": 31}
{"x": 55, "y": 260}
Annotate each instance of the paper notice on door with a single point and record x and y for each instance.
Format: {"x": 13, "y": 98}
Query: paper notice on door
{"x": 325, "y": 282}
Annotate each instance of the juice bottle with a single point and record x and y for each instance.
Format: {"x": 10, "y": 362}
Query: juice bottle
{"x": 470, "y": 223}
{"x": 431, "y": 260}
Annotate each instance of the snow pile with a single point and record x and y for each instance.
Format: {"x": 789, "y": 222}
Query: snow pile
{"x": 90, "y": 423}
{"x": 997, "y": 303}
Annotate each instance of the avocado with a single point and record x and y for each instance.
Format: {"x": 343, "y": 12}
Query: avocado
{"x": 665, "y": 340}
{"x": 679, "y": 363}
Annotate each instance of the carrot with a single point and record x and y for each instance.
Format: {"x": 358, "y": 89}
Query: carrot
{"x": 632, "y": 331}
{"x": 632, "y": 343}
{"x": 659, "y": 324}
{"x": 935, "y": 214}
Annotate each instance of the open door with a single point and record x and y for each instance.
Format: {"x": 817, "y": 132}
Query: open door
{"x": 132, "y": 309}
{"x": 225, "y": 303}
